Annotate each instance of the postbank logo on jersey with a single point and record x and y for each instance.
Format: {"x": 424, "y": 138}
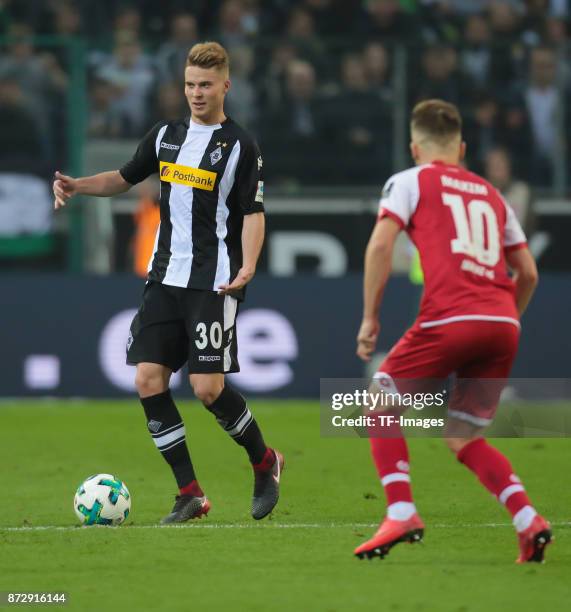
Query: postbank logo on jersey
{"x": 185, "y": 175}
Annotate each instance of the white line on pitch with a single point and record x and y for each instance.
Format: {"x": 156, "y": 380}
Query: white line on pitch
{"x": 253, "y": 526}
{"x": 193, "y": 526}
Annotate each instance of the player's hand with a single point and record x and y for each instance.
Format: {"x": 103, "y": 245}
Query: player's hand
{"x": 64, "y": 188}
{"x": 243, "y": 277}
{"x": 367, "y": 338}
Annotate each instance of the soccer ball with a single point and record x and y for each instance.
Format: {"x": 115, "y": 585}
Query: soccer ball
{"x": 102, "y": 500}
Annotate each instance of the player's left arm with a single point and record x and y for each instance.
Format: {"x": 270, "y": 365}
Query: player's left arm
{"x": 520, "y": 261}
{"x": 253, "y": 232}
{"x": 250, "y": 194}
{"x": 525, "y": 276}
{"x": 378, "y": 263}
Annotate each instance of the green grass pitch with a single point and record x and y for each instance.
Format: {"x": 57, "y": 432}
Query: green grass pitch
{"x": 300, "y": 560}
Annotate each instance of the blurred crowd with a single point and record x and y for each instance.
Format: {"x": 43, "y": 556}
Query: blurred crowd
{"x": 315, "y": 80}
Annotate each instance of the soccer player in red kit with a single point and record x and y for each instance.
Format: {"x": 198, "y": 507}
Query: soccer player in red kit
{"x": 468, "y": 324}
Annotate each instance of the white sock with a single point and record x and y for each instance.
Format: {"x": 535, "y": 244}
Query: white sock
{"x": 401, "y": 511}
{"x": 522, "y": 520}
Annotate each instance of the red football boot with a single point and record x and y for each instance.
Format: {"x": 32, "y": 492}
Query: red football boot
{"x": 389, "y": 533}
{"x": 533, "y": 540}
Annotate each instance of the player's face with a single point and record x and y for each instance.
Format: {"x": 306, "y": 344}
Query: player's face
{"x": 205, "y": 89}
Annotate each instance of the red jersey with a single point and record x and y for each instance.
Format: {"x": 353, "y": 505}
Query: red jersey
{"x": 462, "y": 228}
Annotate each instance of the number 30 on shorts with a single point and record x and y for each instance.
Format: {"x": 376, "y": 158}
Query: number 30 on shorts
{"x": 204, "y": 335}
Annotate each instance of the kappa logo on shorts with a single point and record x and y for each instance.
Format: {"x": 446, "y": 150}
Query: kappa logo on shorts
{"x": 185, "y": 175}
{"x": 209, "y": 358}
{"x": 129, "y": 340}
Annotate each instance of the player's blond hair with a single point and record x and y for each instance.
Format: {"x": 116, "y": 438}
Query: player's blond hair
{"x": 209, "y": 55}
{"x": 436, "y": 121}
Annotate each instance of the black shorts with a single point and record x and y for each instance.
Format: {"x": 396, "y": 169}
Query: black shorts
{"x": 175, "y": 325}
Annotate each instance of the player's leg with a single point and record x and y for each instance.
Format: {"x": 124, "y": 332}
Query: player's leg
{"x": 157, "y": 346}
{"x": 473, "y": 404}
{"x": 212, "y": 353}
{"x": 168, "y": 432}
{"x": 414, "y": 363}
{"x": 494, "y": 470}
{"x": 389, "y": 451}
{"x": 390, "y": 456}
{"x": 232, "y": 414}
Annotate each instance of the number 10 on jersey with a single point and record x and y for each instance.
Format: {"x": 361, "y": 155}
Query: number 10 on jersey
{"x": 477, "y": 233}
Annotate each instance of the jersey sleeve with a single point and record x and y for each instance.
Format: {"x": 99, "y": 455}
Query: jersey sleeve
{"x": 249, "y": 179}
{"x": 399, "y": 198}
{"x": 145, "y": 161}
{"x": 514, "y": 236}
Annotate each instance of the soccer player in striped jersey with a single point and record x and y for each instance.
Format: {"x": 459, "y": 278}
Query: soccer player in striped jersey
{"x": 468, "y": 237}
{"x": 206, "y": 249}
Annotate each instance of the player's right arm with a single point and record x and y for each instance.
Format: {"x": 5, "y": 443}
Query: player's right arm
{"x": 398, "y": 202}
{"x": 143, "y": 164}
{"x": 525, "y": 276}
{"x": 103, "y": 184}
{"x": 378, "y": 261}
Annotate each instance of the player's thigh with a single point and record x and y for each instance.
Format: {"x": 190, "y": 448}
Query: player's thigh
{"x": 158, "y": 334}
{"x": 210, "y": 321}
{"x": 481, "y": 378}
{"x": 418, "y": 363}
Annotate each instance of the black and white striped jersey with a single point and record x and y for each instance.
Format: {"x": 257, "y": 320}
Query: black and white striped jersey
{"x": 211, "y": 176}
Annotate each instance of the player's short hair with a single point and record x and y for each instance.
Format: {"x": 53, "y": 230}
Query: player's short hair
{"x": 209, "y": 55}
{"x": 437, "y": 120}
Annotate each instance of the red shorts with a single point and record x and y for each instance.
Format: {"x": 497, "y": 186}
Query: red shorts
{"x": 481, "y": 354}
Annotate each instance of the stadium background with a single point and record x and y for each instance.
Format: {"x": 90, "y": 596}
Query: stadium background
{"x": 326, "y": 86}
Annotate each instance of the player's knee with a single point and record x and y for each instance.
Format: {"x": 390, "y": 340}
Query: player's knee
{"x": 456, "y": 444}
{"x": 207, "y": 391}
{"x": 150, "y": 381}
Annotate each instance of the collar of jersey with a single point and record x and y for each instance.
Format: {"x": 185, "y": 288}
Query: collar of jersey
{"x": 437, "y": 162}
{"x": 198, "y": 127}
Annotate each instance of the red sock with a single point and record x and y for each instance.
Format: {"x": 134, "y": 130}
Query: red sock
{"x": 496, "y": 473}
{"x": 192, "y": 488}
{"x": 267, "y": 461}
{"x": 391, "y": 460}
